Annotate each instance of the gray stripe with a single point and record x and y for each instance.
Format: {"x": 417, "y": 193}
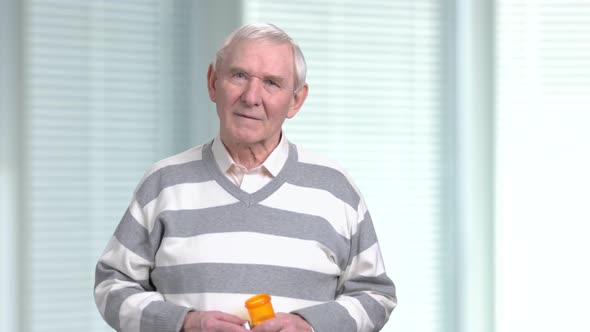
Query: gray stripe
{"x": 364, "y": 237}
{"x": 105, "y": 272}
{"x": 245, "y": 279}
{"x": 191, "y": 172}
{"x": 260, "y": 219}
{"x": 136, "y": 238}
{"x": 325, "y": 178}
{"x": 113, "y": 306}
{"x": 328, "y": 317}
{"x": 379, "y": 284}
{"x": 374, "y": 309}
{"x": 160, "y": 316}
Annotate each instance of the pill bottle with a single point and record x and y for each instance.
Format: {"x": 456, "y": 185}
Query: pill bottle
{"x": 259, "y": 309}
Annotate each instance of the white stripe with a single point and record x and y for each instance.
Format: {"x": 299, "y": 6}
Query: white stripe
{"x": 103, "y": 289}
{"x": 315, "y": 202}
{"x": 187, "y": 196}
{"x": 234, "y": 303}
{"x": 125, "y": 261}
{"x": 137, "y": 213}
{"x": 131, "y": 308}
{"x": 192, "y": 154}
{"x": 356, "y": 311}
{"x": 248, "y": 248}
{"x": 361, "y": 209}
{"x": 368, "y": 263}
{"x": 310, "y": 157}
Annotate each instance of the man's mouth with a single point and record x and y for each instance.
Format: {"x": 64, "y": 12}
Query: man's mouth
{"x": 246, "y": 116}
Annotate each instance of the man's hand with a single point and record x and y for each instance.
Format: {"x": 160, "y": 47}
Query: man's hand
{"x": 285, "y": 323}
{"x": 212, "y": 321}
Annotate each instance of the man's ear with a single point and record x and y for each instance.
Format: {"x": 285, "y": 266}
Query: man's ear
{"x": 211, "y": 80}
{"x": 297, "y": 101}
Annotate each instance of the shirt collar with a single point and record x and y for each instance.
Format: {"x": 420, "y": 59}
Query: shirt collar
{"x": 278, "y": 157}
{"x": 222, "y": 158}
{"x": 273, "y": 163}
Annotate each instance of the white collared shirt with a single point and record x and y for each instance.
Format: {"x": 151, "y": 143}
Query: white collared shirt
{"x": 251, "y": 180}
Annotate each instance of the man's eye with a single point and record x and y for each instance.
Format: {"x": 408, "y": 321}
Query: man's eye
{"x": 240, "y": 75}
{"x": 271, "y": 83}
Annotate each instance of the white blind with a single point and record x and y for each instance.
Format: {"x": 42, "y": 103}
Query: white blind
{"x": 106, "y": 94}
{"x": 543, "y": 163}
{"x": 375, "y": 105}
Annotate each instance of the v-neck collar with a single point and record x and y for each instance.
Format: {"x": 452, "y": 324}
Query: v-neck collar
{"x": 243, "y": 196}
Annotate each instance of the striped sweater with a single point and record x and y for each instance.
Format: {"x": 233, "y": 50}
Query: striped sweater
{"x": 192, "y": 240}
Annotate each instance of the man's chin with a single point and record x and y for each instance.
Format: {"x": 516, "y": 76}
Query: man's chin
{"x": 246, "y": 139}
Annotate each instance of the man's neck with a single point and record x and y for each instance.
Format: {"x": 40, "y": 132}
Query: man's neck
{"x": 250, "y": 155}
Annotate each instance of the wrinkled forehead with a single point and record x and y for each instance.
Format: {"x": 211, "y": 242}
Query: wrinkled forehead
{"x": 260, "y": 56}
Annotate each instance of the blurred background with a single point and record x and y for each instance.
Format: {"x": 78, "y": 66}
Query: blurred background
{"x": 466, "y": 124}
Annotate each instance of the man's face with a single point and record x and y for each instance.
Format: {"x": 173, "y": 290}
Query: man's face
{"x": 253, "y": 89}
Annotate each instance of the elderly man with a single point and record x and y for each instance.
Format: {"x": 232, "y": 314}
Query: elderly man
{"x": 246, "y": 213}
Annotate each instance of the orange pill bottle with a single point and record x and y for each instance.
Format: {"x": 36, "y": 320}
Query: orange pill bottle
{"x": 259, "y": 309}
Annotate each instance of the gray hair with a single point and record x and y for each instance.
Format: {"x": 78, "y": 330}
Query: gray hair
{"x": 266, "y": 31}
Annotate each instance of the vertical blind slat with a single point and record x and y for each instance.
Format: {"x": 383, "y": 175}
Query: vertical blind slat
{"x": 102, "y": 82}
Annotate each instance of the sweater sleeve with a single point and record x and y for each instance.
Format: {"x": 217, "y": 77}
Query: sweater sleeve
{"x": 123, "y": 292}
{"x": 366, "y": 295}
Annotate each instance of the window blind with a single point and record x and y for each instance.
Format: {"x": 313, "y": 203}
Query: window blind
{"x": 376, "y": 106}
{"x": 542, "y": 163}
{"x": 106, "y": 95}
{"x": 9, "y": 166}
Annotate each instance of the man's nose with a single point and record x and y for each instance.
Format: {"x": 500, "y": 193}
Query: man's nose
{"x": 251, "y": 95}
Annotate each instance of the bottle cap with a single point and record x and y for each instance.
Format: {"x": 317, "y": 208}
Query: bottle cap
{"x": 259, "y": 308}
{"x": 257, "y": 300}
